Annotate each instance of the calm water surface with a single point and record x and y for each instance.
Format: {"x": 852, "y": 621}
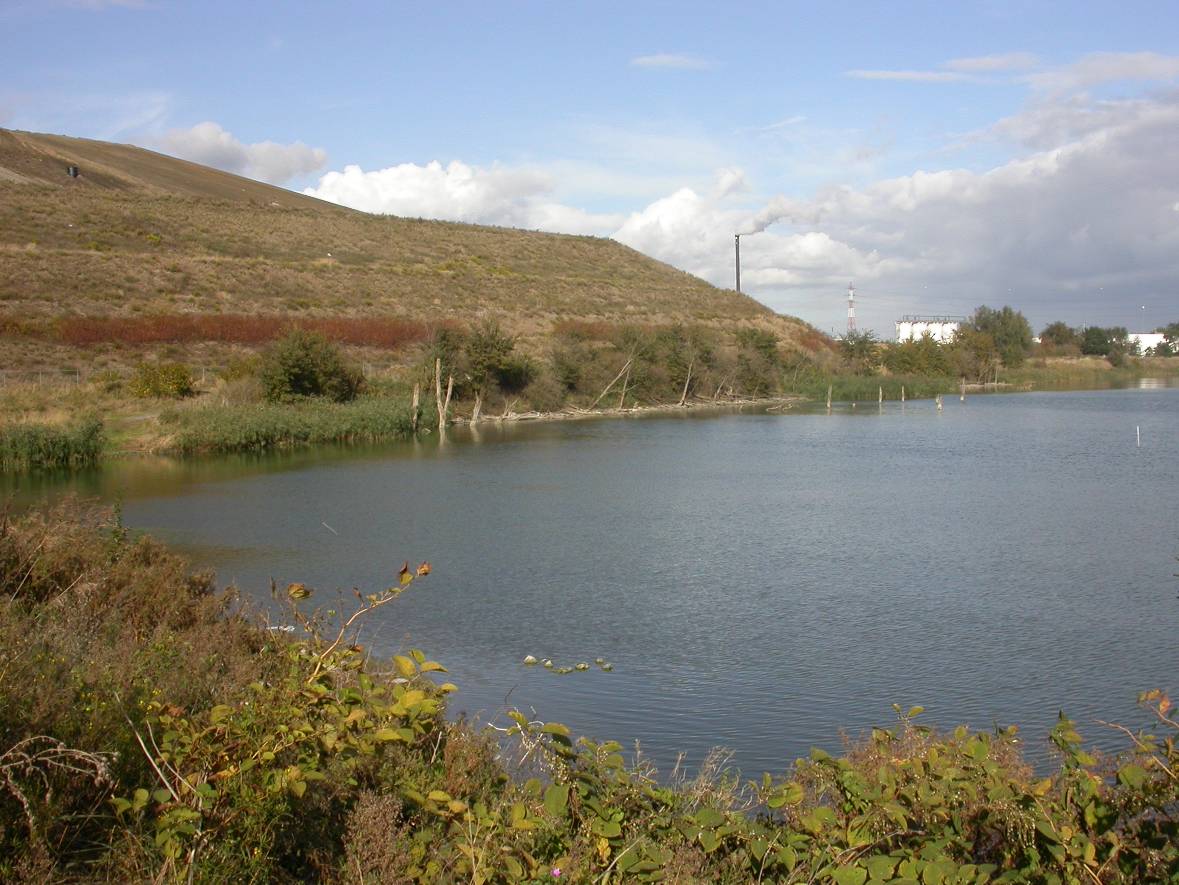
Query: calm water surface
{"x": 759, "y": 581}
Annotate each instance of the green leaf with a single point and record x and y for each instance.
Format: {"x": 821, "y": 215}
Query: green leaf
{"x": 915, "y": 711}
{"x": 1132, "y": 776}
{"x": 850, "y": 876}
{"x": 709, "y": 841}
{"x": 556, "y": 799}
{"x": 513, "y": 867}
{"x": 218, "y": 713}
{"x": 609, "y": 829}
{"x": 405, "y": 667}
{"x": 161, "y": 795}
{"x": 438, "y": 796}
{"x": 709, "y": 818}
{"x": 790, "y": 793}
{"x": 977, "y": 748}
{"x": 556, "y": 728}
{"x": 881, "y": 867}
{"x": 788, "y": 857}
{"x": 298, "y": 788}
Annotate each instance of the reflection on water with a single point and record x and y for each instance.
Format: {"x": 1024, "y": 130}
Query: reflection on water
{"x": 759, "y": 581}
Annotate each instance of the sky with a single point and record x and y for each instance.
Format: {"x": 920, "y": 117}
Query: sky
{"x": 940, "y": 155}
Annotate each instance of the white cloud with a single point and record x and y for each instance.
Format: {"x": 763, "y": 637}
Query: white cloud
{"x": 728, "y": 182}
{"x": 207, "y": 143}
{"x": 673, "y": 61}
{"x": 1089, "y": 206}
{"x": 1051, "y": 123}
{"x": 507, "y": 196}
{"x": 1107, "y": 67}
{"x": 1010, "y": 61}
{"x": 912, "y": 76}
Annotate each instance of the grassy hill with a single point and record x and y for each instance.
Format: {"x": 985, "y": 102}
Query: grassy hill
{"x": 139, "y": 233}
{"x": 144, "y": 261}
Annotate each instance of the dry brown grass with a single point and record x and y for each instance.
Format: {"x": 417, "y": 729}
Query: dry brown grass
{"x": 165, "y": 238}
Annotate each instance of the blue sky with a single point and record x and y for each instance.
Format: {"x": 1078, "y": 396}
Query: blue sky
{"x": 943, "y": 155}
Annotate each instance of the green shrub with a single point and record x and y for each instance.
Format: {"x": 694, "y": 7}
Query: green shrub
{"x": 545, "y": 394}
{"x": 306, "y": 364}
{"x": 241, "y": 367}
{"x": 162, "y": 380}
{"x": 515, "y": 373}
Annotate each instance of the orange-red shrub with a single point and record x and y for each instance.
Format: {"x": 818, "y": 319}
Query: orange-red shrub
{"x": 386, "y": 332}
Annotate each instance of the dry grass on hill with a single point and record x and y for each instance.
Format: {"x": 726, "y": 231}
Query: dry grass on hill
{"x": 142, "y": 234}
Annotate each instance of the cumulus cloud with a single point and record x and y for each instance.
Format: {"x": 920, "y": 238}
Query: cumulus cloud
{"x": 1082, "y": 225}
{"x": 506, "y": 196}
{"x": 673, "y": 61}
{"x": 1082, "y": 229}
{"x": 209, "y": 144}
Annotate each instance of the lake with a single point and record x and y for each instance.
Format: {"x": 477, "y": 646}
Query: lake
{"x": 759, "y": 581}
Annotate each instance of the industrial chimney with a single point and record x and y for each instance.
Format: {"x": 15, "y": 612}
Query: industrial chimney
{"x": 737, "y": 245}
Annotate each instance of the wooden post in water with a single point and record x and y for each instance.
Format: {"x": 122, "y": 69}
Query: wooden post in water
{"x": 413, "y": 415}
{"x": 828, "y": 397}
{"x": 902, "y": 393}
{"x": 1138, "y": 432}
{"x": 880, "y": 394}
{"x": 938, "y": 400}
{"x": 962, "y": 397}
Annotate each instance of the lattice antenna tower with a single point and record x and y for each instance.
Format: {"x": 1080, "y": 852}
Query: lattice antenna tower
{"x": 851, "y": 307}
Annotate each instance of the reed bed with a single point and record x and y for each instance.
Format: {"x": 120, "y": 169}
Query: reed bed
{"x": 44, "y": 446}
{"x": 263, "y": 426}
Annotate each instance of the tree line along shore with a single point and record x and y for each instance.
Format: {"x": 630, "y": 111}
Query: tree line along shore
{"x": 303, "y": 384}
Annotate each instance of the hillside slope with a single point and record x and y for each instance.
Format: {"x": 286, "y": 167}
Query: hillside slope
{"x": 141, "y": 234}
{"x": 33, "y": 158}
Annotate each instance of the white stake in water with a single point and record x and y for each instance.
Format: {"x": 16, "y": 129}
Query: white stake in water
{"x": 1138, "y": 431}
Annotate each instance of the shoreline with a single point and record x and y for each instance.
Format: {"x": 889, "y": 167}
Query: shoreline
{"x": 783, "y": 402}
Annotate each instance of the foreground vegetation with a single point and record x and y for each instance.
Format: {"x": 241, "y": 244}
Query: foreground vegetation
{"x": 151, "y": 729}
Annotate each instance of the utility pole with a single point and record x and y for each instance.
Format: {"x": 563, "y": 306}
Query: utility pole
{"x": 737, "y": 247}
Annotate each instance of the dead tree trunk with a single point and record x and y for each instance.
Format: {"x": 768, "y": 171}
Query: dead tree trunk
{"x": 625, "y": 368}
{"x": 625, "y": 382}
{"x": 443, "y": 405}
{"x": 687, "y": 381}
{"x": 478, "y": 407}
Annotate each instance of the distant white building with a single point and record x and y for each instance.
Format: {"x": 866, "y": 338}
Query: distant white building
{"x": 940, "y": 328}
{"x": 1146, "y": 340}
